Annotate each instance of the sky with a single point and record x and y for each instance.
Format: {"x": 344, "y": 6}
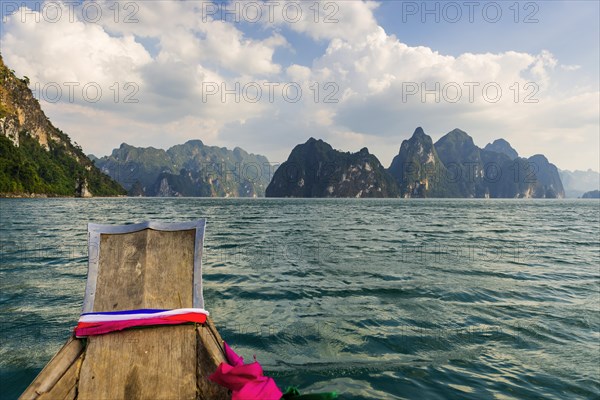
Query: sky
{"x": 266, "y": 76}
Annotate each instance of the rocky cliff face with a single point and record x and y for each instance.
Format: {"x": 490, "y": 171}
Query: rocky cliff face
{"x": 20, "y": 111}
{"x": 473, "y": 171}
{"x": 35, "y": 156}
{"x": 456, "y": 167}
{"x": 464, "y": 164}
{"x": 545, "y": 178}
{"x": 497, "y": 173}
{"x": 315, "y": 169}
{"x": 452, "y": 167}
{"x": 418, "y": 170}
{"x": 503, "y": 147}
{"x": 191, "y": 169}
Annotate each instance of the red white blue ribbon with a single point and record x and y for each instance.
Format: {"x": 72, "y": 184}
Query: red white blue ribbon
{"x": 98, "y": 323}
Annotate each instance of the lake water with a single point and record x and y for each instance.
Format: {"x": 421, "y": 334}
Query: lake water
{"x": 376, "y": 299}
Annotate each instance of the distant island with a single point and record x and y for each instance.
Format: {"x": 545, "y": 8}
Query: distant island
{"x": 594, "y": 194}
{"x": 192, "y": 169}
{"x": 455, "y": 167}
{"x": 315, "y": 169}
{"x": 577, "y": 183}
{"x": 38, "y": 159}
{"x": 452, "y": 167}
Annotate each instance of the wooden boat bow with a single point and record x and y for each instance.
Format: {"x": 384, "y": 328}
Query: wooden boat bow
{"x": 148, "y": 265}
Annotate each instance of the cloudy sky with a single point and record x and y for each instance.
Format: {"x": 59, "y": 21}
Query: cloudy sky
{"x": 266, "y": 76}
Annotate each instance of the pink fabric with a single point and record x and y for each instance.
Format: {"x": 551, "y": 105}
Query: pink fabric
{"x": 246, "y": 381}
{"x": 108, "y": 327}
{"x": 232, "y": 356}
{"x": 101, "y": 327}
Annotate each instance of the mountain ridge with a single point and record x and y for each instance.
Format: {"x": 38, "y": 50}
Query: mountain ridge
{"x": 188, "y": 169}
{"x": 503, "y": 147}
{"x": 451, "y": 167}
{"x": 578, "y": 182}
{"x": 316, "y": 169}
{"x": 418, "y": 169}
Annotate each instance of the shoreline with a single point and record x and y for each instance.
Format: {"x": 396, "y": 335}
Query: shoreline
{"x": 49, "y": 196}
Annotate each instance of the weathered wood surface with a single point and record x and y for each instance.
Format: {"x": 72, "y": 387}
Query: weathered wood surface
{"x": 144, "y": 269}
{"x": 66, "y": 387}
{"x": 57, "y": 374}
{"x": 60, "y": 379}
{"x": 150, "y": 363}
{"x": 210, "y": 355}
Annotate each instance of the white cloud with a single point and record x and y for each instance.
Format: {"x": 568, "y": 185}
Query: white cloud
{"x": 72, "y": 52}
{"x": 370, "y": 73}
{"x": 187, "y": 33}
{"x": 66, "y": 51}
{"x": 324, "y": 19}
{"x": 376, "y": 70}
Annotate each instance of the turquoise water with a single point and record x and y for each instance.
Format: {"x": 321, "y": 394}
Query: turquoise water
{"x": 377, "y": 299}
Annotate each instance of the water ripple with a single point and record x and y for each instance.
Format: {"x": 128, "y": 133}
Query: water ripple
{"x": 436, "y": 299}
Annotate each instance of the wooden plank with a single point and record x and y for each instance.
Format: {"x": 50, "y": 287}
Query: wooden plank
{"x": 72, "y": 395}
{"x": 210, "y": 355}
{"x": 65, "y": 388}
{"x": 212, "y": 342}
{"x": 145, "y": 269}
{"x": 54, "y": 370}
{"x": 149, "y": 363}
{"x": 121, "y": 272}
{"x": 169, "y": 269}
{"x": 215, "y": 333}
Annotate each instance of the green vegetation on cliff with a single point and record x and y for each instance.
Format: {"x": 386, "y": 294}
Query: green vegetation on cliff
{"x": 315, "y": 169}
{"x": 35, "y": 156}
{"x": 455, "y": 167}
{"x": 191, "y": 169}
{"x": 418, "y": 170}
